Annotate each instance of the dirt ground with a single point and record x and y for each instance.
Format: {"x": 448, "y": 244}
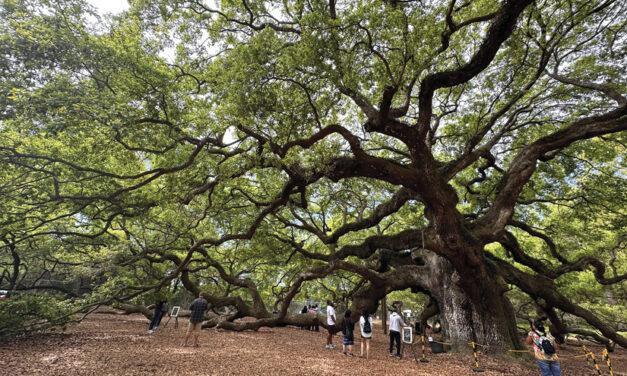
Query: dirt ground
{"x": 120, "y": 345}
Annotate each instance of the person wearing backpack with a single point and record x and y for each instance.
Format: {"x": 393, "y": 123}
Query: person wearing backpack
{"x": 544, "y": 349}
{"x": 365, "y": 324}
{"x": 348, "y": 327}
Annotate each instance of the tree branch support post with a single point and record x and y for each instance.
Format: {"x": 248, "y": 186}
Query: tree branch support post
{"x": 422, "y": 344}
{"x": 606, "y": 357}
{"x": 475, "y": 367}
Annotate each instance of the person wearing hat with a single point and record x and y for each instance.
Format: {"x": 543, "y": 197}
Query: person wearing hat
{"x": 544, "y": 349}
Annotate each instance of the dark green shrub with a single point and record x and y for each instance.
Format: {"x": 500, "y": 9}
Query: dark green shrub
{"x": 31, "y": 313}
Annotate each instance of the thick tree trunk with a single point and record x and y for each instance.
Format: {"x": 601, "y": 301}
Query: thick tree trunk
{"x": 16, "y": 268}
{"x": 472, "y": 307}
{"x": 428, "y": 312}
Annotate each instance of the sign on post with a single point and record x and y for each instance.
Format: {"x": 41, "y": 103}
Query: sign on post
{"x": 175, "y": 311}
{"x": 407, "y": 335}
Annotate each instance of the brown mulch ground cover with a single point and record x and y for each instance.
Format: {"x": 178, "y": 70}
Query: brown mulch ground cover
{"x": 120, "y": 345}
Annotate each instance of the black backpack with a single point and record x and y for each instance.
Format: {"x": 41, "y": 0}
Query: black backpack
{"x": 367, "y": 327}
{"x": 545, "y": 345}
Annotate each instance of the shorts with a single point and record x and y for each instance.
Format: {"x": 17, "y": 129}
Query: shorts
{"x": 348, "y": 341}
{"x": 331, "y": 329}
{"x": 194, "y": 327}
{"x": 364, "y": 337}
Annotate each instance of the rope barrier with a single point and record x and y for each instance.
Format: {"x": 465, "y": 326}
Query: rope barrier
{"x": 585, "y": 355}
{"x": 442, "y": 343}
{"x": 560, "y": 356}
{"x": 589, "y": 355}
{"x": 585, "y": 349}
{"x": 574, "y": 356}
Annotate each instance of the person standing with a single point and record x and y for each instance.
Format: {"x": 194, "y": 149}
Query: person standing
{"x": 365, "y": 326}
{"x": 348, "y": 328}
{"x": 544, "y": 350}
{"x": 198, "y": 308}
{"x": 396, "y": 323}
{"x": 313, "y": 311}
{"x": 303, "y": 312}
{"x": 160, "y": 309}
{"x": 331, "y": 320}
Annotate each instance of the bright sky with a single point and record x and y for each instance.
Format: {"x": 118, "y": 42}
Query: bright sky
{"x": 109, "y": 6}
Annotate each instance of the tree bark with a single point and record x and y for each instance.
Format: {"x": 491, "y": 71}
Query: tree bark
{"x": 428, "y": 312}
{"x": 557, "y": 329}
{"x": 384, "y": 315}
{"x": 367, "y": 299}
{"x": 472, "y": 306}
{"x": 542, "y": 287}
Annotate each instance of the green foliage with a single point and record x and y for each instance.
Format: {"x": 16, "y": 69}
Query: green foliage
{"x": 126, "y": 140}
{"x": 32, "y": 313}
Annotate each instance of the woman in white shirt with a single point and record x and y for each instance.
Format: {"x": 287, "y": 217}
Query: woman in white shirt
{"x": 365, "y": 326}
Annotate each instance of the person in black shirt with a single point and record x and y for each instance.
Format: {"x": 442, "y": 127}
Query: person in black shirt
{"x": 160, "y": 309}
{"x": 198, "y": 308}
{"x": 303, "y": 312}
{"x": 348, "y": 326}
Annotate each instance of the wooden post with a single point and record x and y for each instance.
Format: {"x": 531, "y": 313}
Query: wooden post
{"x": 606, "y": 357}
{"x": 475, "y": 367}
{"x": 594, "y": 362}
{"x": 384, "y": 314}
{"x": 424, "y": 358}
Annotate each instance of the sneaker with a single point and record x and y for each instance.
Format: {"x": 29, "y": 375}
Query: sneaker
{"x": 327, "y": 346}
{"x": 332, "y": 346}
{"x": 392, "y": 354}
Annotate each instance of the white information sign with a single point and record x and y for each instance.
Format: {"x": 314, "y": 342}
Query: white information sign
{"x": 175, "y": 311}
{"x": 407, "y": 335}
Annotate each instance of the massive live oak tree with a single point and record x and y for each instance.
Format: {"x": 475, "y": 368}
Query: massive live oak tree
{"x": 472, "y": 151}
